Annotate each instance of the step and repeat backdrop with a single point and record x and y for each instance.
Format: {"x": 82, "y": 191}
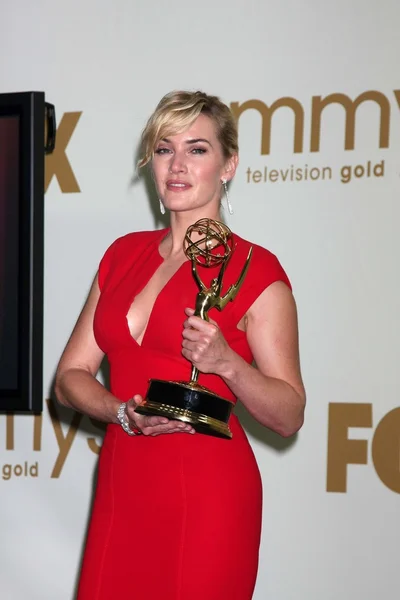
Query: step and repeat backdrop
{"x": 315, "y": 88}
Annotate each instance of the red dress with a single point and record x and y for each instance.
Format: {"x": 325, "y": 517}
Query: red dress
{"x": 177, "y": 516}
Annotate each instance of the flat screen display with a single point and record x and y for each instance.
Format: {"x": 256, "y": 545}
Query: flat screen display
{"x": 9, "y": 251}
{"x": 22, "y": 149}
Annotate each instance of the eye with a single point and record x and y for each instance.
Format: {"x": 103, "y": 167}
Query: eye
{"x": 162, "y": 151}
{"x": 198, "y": 151}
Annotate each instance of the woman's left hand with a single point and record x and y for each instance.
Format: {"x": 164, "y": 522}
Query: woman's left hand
{"x": 204, "y": 345}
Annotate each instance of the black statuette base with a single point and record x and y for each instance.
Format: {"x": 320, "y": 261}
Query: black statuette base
{"x": 188, "y": 402}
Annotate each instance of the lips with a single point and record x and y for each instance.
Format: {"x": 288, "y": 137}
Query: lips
{"x": 175, "y": 185}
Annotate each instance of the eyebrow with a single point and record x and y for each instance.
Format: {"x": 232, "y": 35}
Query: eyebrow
{"x": 190, "y": 141}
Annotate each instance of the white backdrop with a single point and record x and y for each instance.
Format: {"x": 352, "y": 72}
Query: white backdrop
{"x": 325, "y": 536}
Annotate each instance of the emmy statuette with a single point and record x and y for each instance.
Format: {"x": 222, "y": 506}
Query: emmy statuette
{"x": 207, "y": 243}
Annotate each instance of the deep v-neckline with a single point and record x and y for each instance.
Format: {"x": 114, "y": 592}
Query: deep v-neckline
{"x": 158, "y": 260}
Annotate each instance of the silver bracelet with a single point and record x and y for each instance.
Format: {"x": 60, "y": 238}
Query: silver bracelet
{"x": 123, "y": 419}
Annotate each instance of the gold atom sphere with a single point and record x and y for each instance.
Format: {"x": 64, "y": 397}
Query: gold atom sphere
{"x": 214, "y": 245}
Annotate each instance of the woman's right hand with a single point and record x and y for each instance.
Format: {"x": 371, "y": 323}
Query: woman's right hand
{"x": 153, "y": 425}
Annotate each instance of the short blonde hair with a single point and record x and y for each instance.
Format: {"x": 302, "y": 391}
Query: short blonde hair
{"x": 177, "y": 111}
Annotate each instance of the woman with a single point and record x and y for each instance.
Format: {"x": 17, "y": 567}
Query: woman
{"x": 179, "y": 516}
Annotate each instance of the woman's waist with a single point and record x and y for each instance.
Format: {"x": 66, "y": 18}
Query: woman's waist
{"x": 129, "y": 377}
{"x": 176, "y": 443}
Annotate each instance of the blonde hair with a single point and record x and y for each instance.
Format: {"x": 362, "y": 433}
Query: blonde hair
{"x": 177, "y": 111}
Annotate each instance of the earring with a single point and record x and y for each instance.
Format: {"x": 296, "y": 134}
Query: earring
{"x": 230, "y": 209}
{"x": 162, "y": 207}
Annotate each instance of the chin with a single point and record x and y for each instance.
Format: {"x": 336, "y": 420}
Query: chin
{"x": 181, "y": 205}
{"x": 185, "y": 205}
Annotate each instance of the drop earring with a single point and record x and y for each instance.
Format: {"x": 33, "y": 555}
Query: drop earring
{"x": 162, "y": 207}
{"x": 229, "y": 205}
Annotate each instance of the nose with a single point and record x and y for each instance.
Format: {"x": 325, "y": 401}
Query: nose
{"x": 177, "y": 163}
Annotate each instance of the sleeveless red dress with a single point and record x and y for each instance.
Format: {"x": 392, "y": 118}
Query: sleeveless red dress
{"x": 177, "y": 516}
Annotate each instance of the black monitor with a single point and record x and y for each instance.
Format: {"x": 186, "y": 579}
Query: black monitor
{"x": 22, "y": 153}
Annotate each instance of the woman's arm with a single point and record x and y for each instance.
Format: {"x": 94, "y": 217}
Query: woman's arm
{"x": 76, "y": 385}
{"x": 273, "y": 392}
